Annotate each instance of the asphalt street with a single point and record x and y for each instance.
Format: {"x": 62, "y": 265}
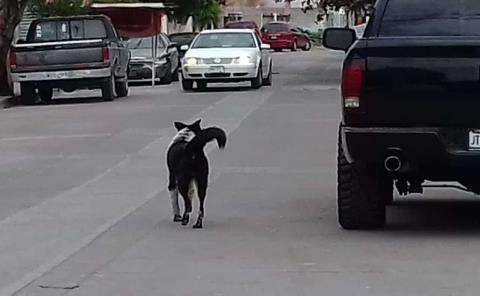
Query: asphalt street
{"x": 84, "y": 208}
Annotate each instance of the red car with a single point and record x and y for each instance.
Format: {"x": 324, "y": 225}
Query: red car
{"x": 281, "y": 35}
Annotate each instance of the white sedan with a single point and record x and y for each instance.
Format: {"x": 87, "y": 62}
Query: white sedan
{"x": 227, "y": 55}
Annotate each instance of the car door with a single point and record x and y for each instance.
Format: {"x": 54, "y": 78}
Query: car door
{"x": 172, "y": 51}
{"x": 301, "y": 41}
{"x": 265, "y": 56}
{"x": 121, "y": 55}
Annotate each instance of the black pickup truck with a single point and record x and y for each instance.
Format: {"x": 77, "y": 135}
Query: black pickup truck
{"x": 410, "y": 96}
{"x": 70, "y": 53}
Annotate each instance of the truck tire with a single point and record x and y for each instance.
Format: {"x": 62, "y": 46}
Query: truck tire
{"x": 28, "y": 95}
{"x": 108, "y": 89}
{"x": 121, "y": 88}
{"x": 359, "y": 196}
{"x": 45, "y": 93}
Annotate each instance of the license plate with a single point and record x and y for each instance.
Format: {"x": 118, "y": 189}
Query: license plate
{"x": 474, "y": 140}
{"x": 216, "y": 69}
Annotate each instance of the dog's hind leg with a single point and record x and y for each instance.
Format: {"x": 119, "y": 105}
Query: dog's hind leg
{"x": 202, "y": 194}
{"x": 183, "y": 188}
{"x": 173, "y": 191}
{"x": 175, "y": 205}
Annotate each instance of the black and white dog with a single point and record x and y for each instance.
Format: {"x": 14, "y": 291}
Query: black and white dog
{"x": 188, "y": 167}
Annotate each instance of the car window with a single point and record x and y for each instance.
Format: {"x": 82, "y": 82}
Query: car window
{"x": 143, "y": 43}
{"x": 275, "y": 28}
{"x": 224, "y": 40}
{"x": 46, "y": 31}
{"x": 431, "y": 18}
{"x": 69, "y": 30}
{"x": 182, "y": 38}
{"x": 244, "y": 25}
{"x": 94, "y": 29}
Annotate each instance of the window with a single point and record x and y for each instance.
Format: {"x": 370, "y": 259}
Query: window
{"x": 431, "y": 18}
{"x": 46, "y": 31}
{"x": 275, "y": 28}
{"x": 224, "y": 40}
{"x": 69, "y": 30}
{"x": 78, "y": 30}
{"x": 144, "y": 43}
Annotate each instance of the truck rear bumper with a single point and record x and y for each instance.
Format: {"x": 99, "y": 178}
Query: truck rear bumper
{"x": 61, "y": 75}
{"x": 436, "y": 152}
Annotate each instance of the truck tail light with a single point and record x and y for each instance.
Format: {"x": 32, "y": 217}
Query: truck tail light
{"x": 352, "y": 81}
{"x": 105, "y": 55}
{"x": 13, "y": 60}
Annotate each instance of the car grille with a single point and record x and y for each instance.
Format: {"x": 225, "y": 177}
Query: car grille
{"x": 217, "y": 75}
{"x": 213, "y": 61}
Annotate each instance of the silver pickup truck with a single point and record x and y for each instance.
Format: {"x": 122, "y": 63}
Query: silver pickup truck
{"x": 70, "y": 53}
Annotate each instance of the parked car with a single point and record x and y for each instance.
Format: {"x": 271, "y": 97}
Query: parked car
{"x": 184, "y": 38}
{"x": 141, "y": 61}
{"x": 70, "y": 53}
{"x": 227, "y": 55}
{"x": 281, "y": 35}
{"x": 243, "y": 25}
{"x": 410, "y": 88}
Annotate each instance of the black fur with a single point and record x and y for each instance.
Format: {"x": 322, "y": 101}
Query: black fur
{"x": 187, "y": 163}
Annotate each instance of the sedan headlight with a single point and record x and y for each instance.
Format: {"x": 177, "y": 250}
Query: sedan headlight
{"x": 243, "y": 60}
{"x": 191, "y": 61}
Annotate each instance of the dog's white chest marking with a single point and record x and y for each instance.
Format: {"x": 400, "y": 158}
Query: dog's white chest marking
{"x": 184, "y": 135}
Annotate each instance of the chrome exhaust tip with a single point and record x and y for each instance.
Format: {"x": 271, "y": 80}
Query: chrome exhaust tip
{"x": 393, "y": 164}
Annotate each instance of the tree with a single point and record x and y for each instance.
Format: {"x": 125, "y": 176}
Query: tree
{"x": 204, "y": 12}
{"x": 11, "y": 12}
{"x": 357, "y": 6}
{"x": 208, "y": 13}
{"x": 58, "y": 8}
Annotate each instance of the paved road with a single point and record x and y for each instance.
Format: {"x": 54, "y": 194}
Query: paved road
{"x": 83, "y": 207}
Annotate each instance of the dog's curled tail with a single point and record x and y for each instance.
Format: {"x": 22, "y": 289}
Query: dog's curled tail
{"x": 207, "y": 135}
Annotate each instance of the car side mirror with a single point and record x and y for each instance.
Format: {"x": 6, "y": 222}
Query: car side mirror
{"x": 184, "y": 47}
{"x": 21, "y": 41}
{"x": 173, "y": 45}
{"x": 339, "y": 38}
{"x": 265, "y": 46}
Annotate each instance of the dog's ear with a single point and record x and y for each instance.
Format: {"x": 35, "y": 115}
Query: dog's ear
{"x": 196, "y": 125}
{"x": 179, "y": 125}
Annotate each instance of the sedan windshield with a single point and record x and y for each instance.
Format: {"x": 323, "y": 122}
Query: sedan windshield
{"x": 224, "y": 40}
